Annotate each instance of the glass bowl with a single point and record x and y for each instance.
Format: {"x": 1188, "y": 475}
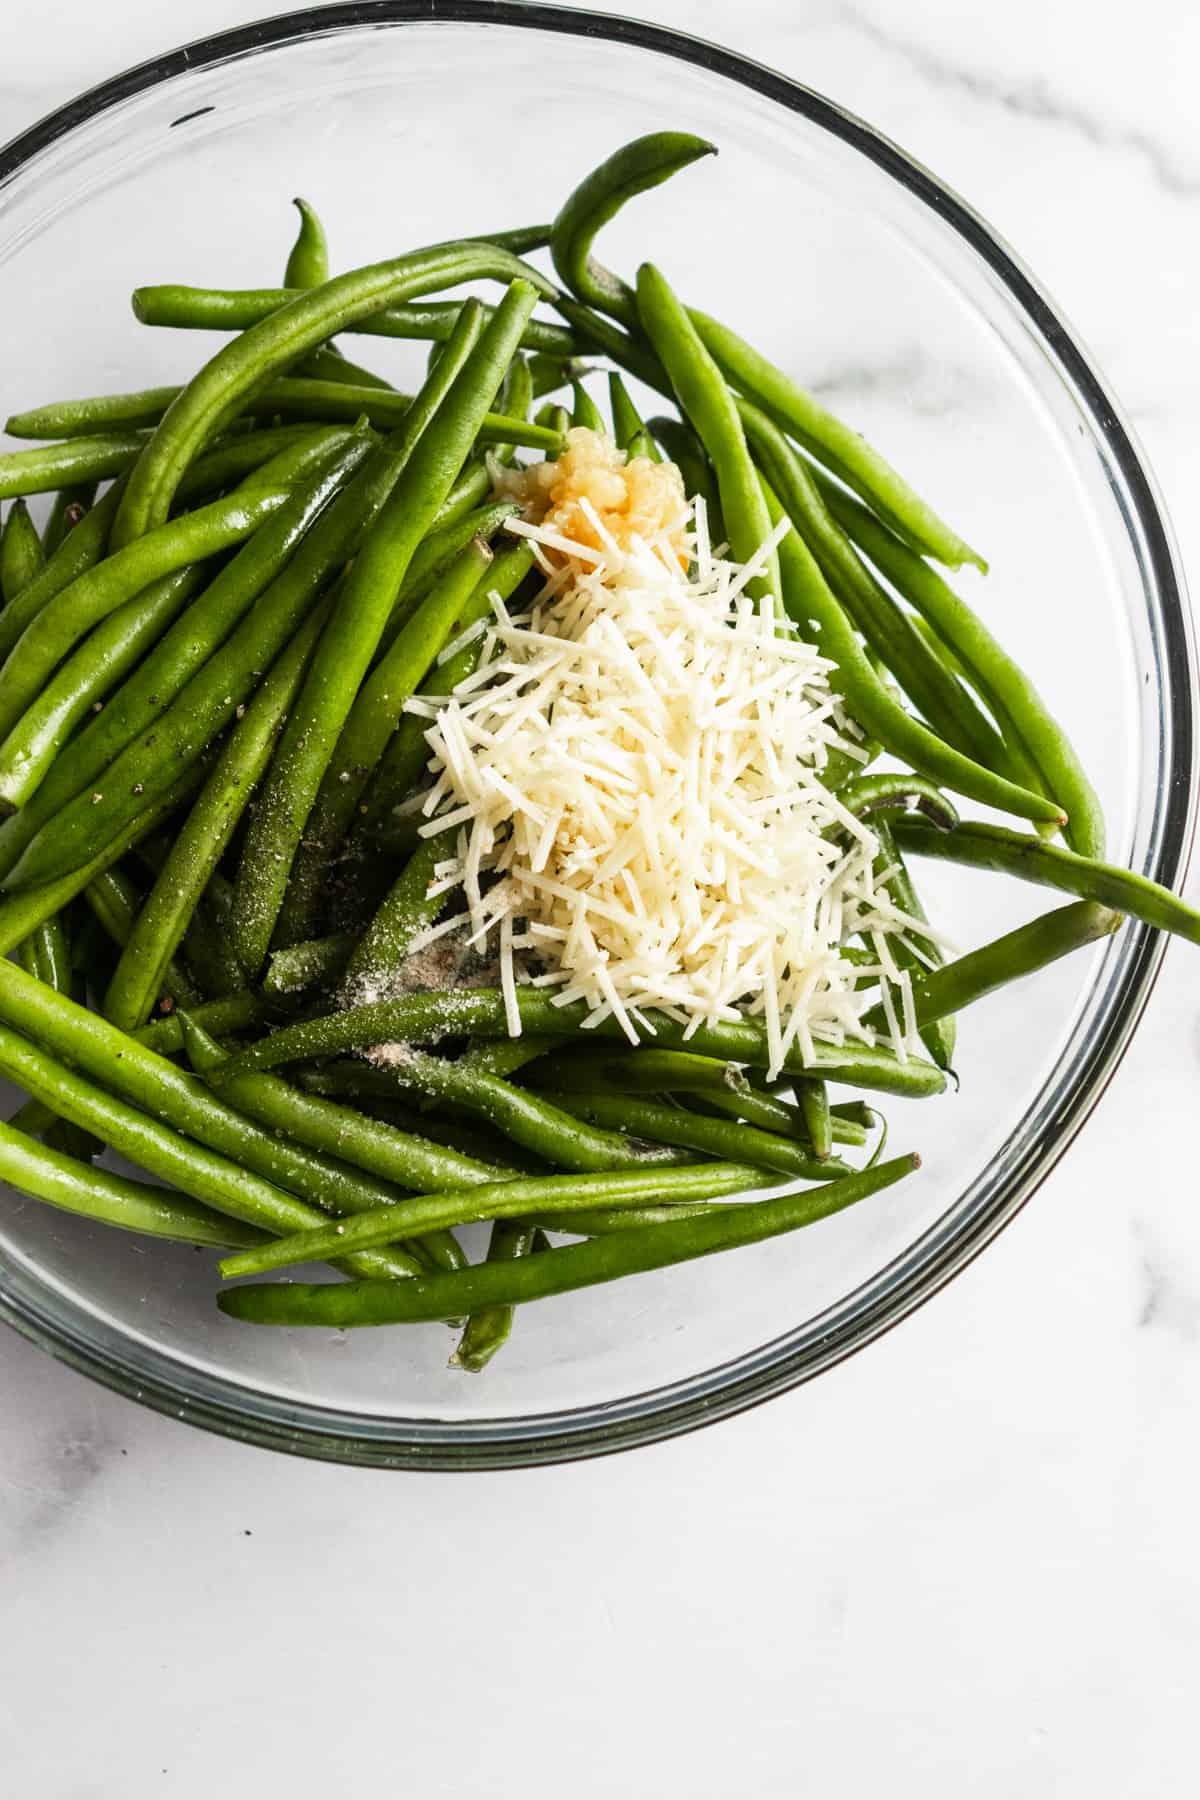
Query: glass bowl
{"x": 855, "y": 269}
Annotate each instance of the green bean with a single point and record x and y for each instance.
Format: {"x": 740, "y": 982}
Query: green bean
{"x": 423, "y": 1018}
{"x": 319, "y": 963}
{"x": 633, "y": 169}
{"x": 217, "y": 393}
{"x": 233, "y": 1013}
{"x": 303, "y": 397}
{"x": 1018, "y": 953}
{"x": 815, "y": 611}
{"x": 238, "y": 309}
{"x": 935, "y": 691}
{"x": 79, "y": 551}
{"x": 488, "y": 1331}
{"x": 203, "y": 840}
{"x": 205, "y": 946}
{"x": 1050, "y": 865}
{"x": 180, "y": 1101}
{"x": 1012, "y": 698}
{"x": 639, "y": 1071}
{"x": 540, "y": 1275}
{"x": 516, "y": 397}
{"x": 628, "y": 427}
{"x": 71, "y": 505}
{"x": 77, "y": 1187}
{"x": 22, "y": 557}
{"x": 503, "y": 1200}
{"x": 709, "y": 407}
{"x": 328, "y": 364}
{"x": 940, "y": 1035}
{"x": 528, "y": 1119}
{"x": 354, "y": 633}
{"x": 896, "y": 790}
{"x": 370, "y": 722}
{"x": 584, "y": 411}
{"x": 53, "y": 466}
{"x": 643, "y": 164}
{"x": 109, "y": 651}
{"x": 372, "y": 1092}
{"x": 555, "y": 420}
{"x": 690, "y": 1131}
{"x": 308, "y": 261}
{"x": 504, "y": 1056}
{"x": 150, "y": 1143}
{"x": 813, "y": 1100}
{"x": 59, "y": 625}
{"x": 23, "y": 912}
{"x": 550, "y": 373}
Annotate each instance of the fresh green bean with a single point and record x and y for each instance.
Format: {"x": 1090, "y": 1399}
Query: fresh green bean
{"x": 504, "y": 1056}
{"x": 488, "y": 1331}
{"x": 509, "y": 1199}
{"x": 354, "y": 633}
{"x": 985, "y": 846}
{"x": 371, "y": 1091}
{"x": 22, "y": 557}
{"x": 1018, "y": 953}
{"x": 308, "y": 261}
{"x": 114, "y": 902}
{"x": 815, "y": 611}
{"x": 541, "y": 1275}
{"x": 584, "y": 411}
{"x": 77, "y": 1187}
{"x": 238, "y": 309}
{"x": 553, "y": 419}
{"x": 217, "y": 393}
{"x": 690, "y": 1131}
{"x": 1003, "y": 684}
{"x": 480, "y": 1012}
{"x": 109, "y": 652}
{"x": 813, "y": 1100}
{"x": 370, "y": 722}
{"x": 628, "y": 428}
{"x": 211, "y": 823}
{"x": 896, "y": 790}
{"x": 235, "y": 456}
{"x": 328, "y": 364}
{"x": 754, "y": 1107}
{"x": 53, "y": 466}
{"x": 406, "y": 910}
{"x": 642, "y": 1071}
{"x": 686, "y": 451}
{"x": 599, "y": 1221}
{"x": 709, "y": 407}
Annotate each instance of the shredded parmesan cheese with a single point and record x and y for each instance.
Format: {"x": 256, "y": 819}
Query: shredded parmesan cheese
{"x": 634, "y": 772}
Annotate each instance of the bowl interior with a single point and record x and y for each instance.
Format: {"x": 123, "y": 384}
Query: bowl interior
{"x": 849, "y": 278}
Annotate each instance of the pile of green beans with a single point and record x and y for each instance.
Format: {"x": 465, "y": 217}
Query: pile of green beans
{"x": 211, "y": 873}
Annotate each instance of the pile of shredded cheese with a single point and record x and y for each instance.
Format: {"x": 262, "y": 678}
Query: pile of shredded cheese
{"x": 632, "y": 778}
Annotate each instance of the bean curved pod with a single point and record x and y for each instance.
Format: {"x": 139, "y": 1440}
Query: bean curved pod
{"x": 480, "y": 1012}
{"x": 53, "y": 466}
{"x": 542, "y": 1274}
{"x": 984, "y": 846}
{"x": 894, "y": 790}
{"x": 488, "y": 1330}
{"x": 940, "y": 1035}
{"x": 709, "y": 407}
{"x": 308, "y": 260}
{"x": 22, "y": 557}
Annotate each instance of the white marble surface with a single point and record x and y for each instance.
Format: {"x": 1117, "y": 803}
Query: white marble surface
{"x": 965, "y": 1562}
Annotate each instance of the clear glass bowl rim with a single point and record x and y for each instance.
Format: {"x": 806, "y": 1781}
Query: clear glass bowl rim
{"x": 716, "y": 1393}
